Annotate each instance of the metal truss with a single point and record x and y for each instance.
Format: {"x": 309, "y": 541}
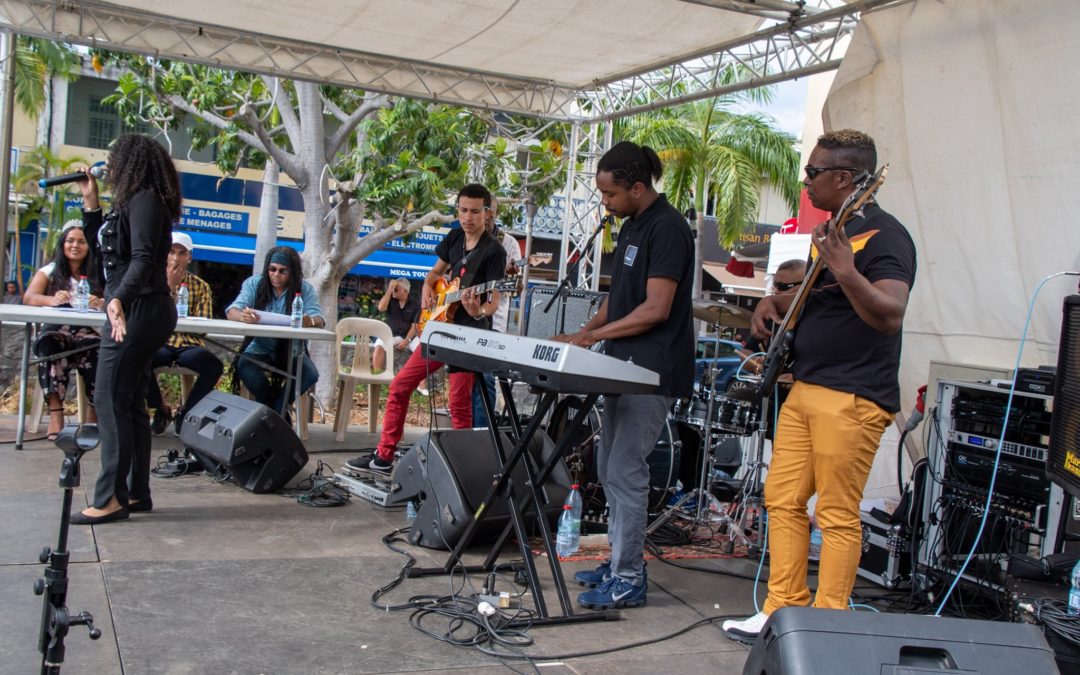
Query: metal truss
{"x": 583, "y": 210}
{"x": 803, "y": 44}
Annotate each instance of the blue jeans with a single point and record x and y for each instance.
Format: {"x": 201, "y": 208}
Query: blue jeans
{"x": 486, "y": 380}
{"x": 252, "y": 374}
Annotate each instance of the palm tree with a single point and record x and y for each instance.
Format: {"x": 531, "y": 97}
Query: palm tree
{"x": 49, "y": 206}
{"x": 713, "y": 152}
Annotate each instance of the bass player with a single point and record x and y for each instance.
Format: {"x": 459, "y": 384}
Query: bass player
{"x": 846, "y": 355}
{"x": 472, "y": 257}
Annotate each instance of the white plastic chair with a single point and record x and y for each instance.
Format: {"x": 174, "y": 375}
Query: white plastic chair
{"x": 362, "y": 331}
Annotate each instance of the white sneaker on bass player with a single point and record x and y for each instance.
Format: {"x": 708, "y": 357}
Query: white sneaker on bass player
{"x": 745, "y": 630}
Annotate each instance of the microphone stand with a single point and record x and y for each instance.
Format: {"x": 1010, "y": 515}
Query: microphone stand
{"x": 572, "y": 271}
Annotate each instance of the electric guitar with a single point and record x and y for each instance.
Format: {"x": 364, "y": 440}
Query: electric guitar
{"x": 780, "y": 347}
{"x": 448, "y": 297}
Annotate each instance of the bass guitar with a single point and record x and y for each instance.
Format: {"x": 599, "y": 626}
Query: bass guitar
{"x": 784, "y": 336}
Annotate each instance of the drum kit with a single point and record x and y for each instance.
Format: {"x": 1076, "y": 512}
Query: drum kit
{"x": 711, "y": 444}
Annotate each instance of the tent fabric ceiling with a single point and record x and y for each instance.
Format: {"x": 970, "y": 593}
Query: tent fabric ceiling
{"x": 571, "y": 43}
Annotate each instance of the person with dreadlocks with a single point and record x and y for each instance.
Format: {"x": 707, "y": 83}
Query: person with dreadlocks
{"x": 54, "y": 286}
{"x": 273, "y": 291}
{"x": 131, "y": 244}
{"x": 645, "y": 319}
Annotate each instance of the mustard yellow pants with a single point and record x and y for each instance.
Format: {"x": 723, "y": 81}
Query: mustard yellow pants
{"x": 825, "y": 444}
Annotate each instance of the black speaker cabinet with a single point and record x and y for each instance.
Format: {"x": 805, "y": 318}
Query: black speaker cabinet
{"x": 449, "y": 472}
{"x": 808, "y": 641}
{"x": 1063, "y": 460}
{"x": 566, "y": 315}
{"x": 245, "y": 439}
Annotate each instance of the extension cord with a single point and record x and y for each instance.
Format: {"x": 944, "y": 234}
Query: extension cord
{"x": 502, "y": 600}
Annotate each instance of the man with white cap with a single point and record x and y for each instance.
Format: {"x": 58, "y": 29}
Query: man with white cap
{"x": 184, "y": 349}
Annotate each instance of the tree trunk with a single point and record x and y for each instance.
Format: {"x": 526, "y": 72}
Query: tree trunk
{"x": 266, "y": 235}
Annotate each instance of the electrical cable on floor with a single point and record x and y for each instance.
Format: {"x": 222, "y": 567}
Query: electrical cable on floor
{"x": 319, "y": 491}
{"x": 1054, "y": 614}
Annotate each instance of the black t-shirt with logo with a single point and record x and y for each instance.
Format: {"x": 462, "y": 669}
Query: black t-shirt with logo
{"x": 400, "y": 319}
{"x": 833, "y": 347}
{"x": 485, "y": 262}
{"x": 657, "y": 243}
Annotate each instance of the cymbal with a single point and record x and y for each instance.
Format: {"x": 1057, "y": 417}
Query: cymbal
{"x": 715, "y": 312}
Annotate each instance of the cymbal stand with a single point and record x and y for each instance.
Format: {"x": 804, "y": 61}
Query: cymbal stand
{"x": 752, "y": 493}
{"x": 703, "y": 491}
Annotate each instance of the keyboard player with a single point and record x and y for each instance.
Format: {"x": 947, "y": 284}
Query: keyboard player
{"x": 646, "y": 319}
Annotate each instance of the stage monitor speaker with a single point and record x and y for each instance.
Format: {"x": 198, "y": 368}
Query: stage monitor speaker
{"x": 1063, "y": 459}
{"x": 450, "y": 471}
{"x": 567, "y": 315}
{"x": 809, "y": 641}
{"x": 245, "y": 439}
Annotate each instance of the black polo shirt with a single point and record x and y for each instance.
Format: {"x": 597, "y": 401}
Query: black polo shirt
{"x": 400, "y": 319}
{"x": 657, "y": 243}
{"x": 479, "y": 265}
{"x": 833, "y": 347}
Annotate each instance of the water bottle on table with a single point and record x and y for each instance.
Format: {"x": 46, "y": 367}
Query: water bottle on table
{"x": 82, "y": 295}
{"x": 182, "y": 296}
{"x": 297, "y": 312}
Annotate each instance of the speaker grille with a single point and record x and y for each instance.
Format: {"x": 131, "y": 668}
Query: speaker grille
{"x": 1063, "y": 466}
{"x": 567, "y": 315}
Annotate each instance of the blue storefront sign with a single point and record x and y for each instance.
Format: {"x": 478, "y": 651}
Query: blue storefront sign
{"x": 217, "y": 220}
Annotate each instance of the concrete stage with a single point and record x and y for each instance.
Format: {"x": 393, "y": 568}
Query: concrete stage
{"x": 220, "y": 580}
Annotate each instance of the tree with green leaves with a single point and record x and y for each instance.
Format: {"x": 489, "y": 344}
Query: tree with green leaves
{"x": 714, "y": 153}
{"x": 364, "y": 163}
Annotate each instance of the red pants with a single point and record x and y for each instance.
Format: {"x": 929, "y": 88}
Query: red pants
{"x": 415, "y": 370}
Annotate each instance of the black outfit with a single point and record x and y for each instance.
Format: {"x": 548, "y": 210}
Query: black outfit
{"x": 483, "y": 263}
{"x": 657, "y": 243}
{"x": 400, "y": 319}
{"x": 833, "y": 347}
{"x": 208, "y": 369}
{"x": 132, "y": 251}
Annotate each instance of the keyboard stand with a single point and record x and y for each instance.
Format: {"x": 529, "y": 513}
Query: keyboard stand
{"x": 503, "y": 488}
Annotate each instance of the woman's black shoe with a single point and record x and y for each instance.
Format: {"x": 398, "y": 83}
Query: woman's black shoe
{"x": 83, "y": 519}
{"x": 141, "y": 506}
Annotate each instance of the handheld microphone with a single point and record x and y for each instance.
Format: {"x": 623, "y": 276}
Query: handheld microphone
{"x": 97, "y": 171}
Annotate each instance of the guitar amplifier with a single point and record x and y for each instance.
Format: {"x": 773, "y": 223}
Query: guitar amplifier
{"x": 566, "y": 315}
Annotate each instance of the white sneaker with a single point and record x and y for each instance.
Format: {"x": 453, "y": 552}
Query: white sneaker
{"x": 423, "y": 391}
{"x": 746, "y": 630}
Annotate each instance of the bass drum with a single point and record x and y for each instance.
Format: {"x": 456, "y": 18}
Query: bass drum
{"x": 581, "y": 459}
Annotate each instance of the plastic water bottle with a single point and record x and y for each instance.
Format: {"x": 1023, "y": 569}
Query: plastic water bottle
{"x": 82, "y": 295}
{"x": 410, "y": 511}
{"x": 1074, "y": 590}
{"x": 297, "y": 312}
{"x": 566, "y": 541}
{"x": 815, "y": 540}
{"x": 182, "y": 296}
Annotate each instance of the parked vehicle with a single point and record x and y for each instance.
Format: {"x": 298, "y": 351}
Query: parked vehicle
{"x": 724, "y": 353}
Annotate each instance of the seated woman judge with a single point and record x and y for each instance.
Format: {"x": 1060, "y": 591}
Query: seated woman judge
{"x": 54, "y": 286}
{"x": 132, "y": 245}
{"x": 273, "y": 292}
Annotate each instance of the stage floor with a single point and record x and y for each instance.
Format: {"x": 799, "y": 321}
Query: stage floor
{"x": 220, "y": 580}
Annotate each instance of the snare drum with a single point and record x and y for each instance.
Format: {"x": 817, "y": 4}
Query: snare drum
{"x": 695, "y": 410}
{"x": 735, "y": 416}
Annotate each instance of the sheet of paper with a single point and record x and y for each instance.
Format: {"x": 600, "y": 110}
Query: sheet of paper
{"x": 274, "y": 319}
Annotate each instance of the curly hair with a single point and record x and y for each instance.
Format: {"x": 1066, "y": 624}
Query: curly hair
{"x": 851, "y": 148}
{"x": 137, "y": 163}
{"x": 630, "y": 163}
{"x": 61, "y": 276}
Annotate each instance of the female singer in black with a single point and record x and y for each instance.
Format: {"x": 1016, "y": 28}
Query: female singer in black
{"x": 132, "y": 244}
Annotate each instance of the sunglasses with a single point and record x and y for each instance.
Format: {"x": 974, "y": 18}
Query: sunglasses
{"x": 781, "y": 286}
{"x": 813, "y": 172}
{"x": 274, "y": 269}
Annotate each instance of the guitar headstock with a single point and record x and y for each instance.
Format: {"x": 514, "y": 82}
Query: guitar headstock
{"x": 510, "y": 285}
{"x": 861, "y": 195}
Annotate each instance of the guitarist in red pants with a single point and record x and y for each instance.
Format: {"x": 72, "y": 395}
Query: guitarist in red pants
{"x": 470, "y": 256}
{"x": 846, "y": 355}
